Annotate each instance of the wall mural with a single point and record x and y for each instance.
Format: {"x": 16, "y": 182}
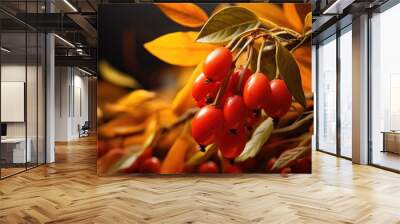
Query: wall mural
{"x": 204, "y": 88}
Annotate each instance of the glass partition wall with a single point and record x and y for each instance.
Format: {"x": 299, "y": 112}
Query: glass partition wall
{"x": 22, "y": 98}
{"x": 385, "y": 89}
{"x": 326, "y": 91}
{"x": 334, "y": 94}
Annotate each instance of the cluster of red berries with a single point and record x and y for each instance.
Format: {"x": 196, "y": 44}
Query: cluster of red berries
{"x": 226, "y": 123}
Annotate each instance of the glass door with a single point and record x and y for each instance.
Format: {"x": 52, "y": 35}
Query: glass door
{"x": 385, "y": 90}
{"x": 326, "y": 90}
{"x": 345, "y": 93}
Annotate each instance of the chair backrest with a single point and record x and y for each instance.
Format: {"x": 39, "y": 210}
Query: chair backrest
{"x": 86, "y": 124}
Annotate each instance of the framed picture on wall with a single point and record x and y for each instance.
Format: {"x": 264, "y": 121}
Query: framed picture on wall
{"x": 204, "y": 88}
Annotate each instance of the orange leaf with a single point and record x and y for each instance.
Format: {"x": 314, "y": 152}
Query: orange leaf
{"x": 186, "y": 14}
{"x": 175, "y": 160}
{"x": 303, "y": 58}
{"x": 271, "y": 12}
{"x": 179, "y": 48}
{"x": 184, "y": 100}
{"x": 293, "y": 17}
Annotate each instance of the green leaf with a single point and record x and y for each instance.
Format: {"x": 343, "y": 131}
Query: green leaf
{"x": 227, "y": 24}
{"x": 288, "y": 156}
{"x": 127, "y": 160}
{"x": 268, "y": 64}
{"x": 290, "y": 72}
{"x": 258, "y": 139}
{"x": 201, "y": 157}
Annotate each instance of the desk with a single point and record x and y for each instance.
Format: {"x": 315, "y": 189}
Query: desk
{"x": 13, "y": 150}
{"x": 391, "y": 141}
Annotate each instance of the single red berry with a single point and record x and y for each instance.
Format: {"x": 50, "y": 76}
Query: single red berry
{"x": 151, "y": 165}
{"x": 231, "y": 142}
{"x": 208, "y": 167}
{"x": 280, "y": 101}
{"x": 235, "y": 78}
{"x": 102, "y": 148}
{"x": 205, "y": 125}
{"x": 257, "y": 91}
{"x": 232, "y": 169}
{"x": 135, "y": 167}
{"x": 302, "y": 165}
{"x": 285, "y": 171}
{"x": 252, "y": 117}
{"x": 234, "y": 112}
{"x": 217, "y": 64}
{"x": 249, "y": 164}
{"x": 204, "y": 88}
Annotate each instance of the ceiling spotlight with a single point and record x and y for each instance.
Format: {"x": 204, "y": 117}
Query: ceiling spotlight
{"x": 5, "y": 50}
{"x": 70, "y": 5}
{"x": 64, "y": 40}
{"x": 84, "y": 71}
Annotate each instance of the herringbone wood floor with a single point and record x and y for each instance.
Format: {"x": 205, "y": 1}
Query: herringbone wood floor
{"x": 70, "y": 192}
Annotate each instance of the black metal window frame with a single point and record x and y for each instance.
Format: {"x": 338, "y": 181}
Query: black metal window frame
{"x": 43, "y": 119}
{"x": 334, "y": 37}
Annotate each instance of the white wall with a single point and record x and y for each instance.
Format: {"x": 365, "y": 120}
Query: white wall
{"x": 71, "y": 102}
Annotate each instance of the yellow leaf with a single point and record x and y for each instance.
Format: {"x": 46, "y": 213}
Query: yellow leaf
{"x": 308, "y": 22}
{"x": 184, "y": 100}
{"x": 116, "y": 77}
{"x": 186, "y": 14}
{"x": 179, "y": 48}
{"x": 135, "y": 98}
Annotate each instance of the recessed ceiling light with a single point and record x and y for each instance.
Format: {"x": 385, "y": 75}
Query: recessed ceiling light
{"x": 84, "y": 71}
{"x": 70, "y": 5}
{"x": 5, "y": 50}
{"x": 64, "y": 40}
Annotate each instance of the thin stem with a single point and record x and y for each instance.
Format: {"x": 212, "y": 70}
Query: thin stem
{"x": 276, "y": 27}
{"x": 260, "y": 52}
{"x": 221, "y": 90}
{"x": 293, "y": 126}
{"x": 238, "y": 43}
{"x": 250, "y": 51}
{"x": 301, "y": 42}
{"x": 189, "y": 114}
{"x": 242, "y": 49}
{"x": 276, "y": 59}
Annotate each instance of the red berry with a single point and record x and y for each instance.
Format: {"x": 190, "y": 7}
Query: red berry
{"x": 235, "y": 78}
{"x": 270, "y": 164}
{"x": 234, "y": 112}
{"x": 249, "y": 164}
{"x": 285, "y": 171}
{"x": 207, "y": 122}
{"x": 252, "y": 117}
{"x": 232, "y": 169}
{"x": 280, "y": 101}
{"x": 147, "y": 153}
{"x": 231, "y": 143}
{"x": 151, "y": 165}
{"x": 102, "y": 148}
{"x": 225, "y": 97}
{"x": 204, "y": 88}
{"x": 257, "y": 91}
{"x": 217, "y": 64}
{"x": 208, "y": 167}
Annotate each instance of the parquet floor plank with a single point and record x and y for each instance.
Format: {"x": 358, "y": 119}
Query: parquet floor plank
{"x": 69, "y": 191}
